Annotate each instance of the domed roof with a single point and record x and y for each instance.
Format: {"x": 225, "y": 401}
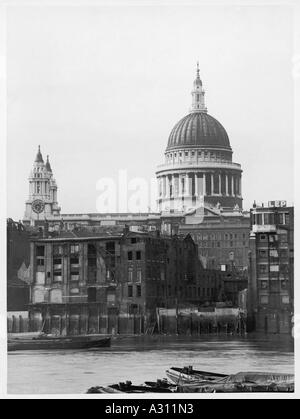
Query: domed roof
{"x": 198, "y": 129}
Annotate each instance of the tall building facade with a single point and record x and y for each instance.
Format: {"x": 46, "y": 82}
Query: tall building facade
{"x": 198, "y": 163}
{"x": 271, "y": 276}
{"x": 42, "y": 204}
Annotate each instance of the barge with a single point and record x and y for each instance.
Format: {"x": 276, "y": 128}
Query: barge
{"x": 51, "y": 342}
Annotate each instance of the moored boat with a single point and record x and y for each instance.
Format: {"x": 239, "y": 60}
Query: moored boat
{"x": 242, "y": 382}
{"x": 128, "y": 387}
{"x": 43, "y": 341}
{"x": 187, "y": 375}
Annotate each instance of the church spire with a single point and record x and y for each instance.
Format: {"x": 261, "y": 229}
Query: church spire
{"x": 48, "y": 166}
{"x": 198, "y": 104}
{"x": 39, "y": 157}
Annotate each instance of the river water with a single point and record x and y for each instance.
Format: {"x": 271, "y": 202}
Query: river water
{"x": 144, "y": 358}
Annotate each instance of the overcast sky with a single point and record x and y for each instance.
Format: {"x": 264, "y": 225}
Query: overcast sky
{"x": 100, "y": 88}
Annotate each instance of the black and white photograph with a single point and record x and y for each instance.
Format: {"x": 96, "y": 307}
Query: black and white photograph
{"x": 149, "y": 185}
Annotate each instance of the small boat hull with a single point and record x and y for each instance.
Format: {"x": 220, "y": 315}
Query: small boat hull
{"x": 56, "y": 343}
{"x": 188, "y": 375}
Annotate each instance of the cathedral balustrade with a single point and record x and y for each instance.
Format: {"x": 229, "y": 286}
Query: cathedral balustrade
{"x": 198, "y": 165}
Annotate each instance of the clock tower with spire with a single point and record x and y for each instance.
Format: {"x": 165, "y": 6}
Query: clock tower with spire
{"x": 42, "y": 202}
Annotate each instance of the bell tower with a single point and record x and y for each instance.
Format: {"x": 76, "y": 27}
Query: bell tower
{"x": 42, "y": 202}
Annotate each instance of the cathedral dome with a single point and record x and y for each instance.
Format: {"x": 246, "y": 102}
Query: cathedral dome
{"x": 198, "y": 129}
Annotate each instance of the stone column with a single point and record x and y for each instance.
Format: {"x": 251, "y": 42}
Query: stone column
{"x": 164, "y": 187}
{"x": 212, "y": 183}
{"x": 196, "y": 184}
{"x": 232, "y": 185}
{"x": 220, "y": 184}
{"x": 187, "y": 185}
{"x": 226, "y": 184}
{"x": 168, "y": 186}
{"x": 181, "y": 191}
{"x": 204, "y": 184}
{"x": 173, "y": 186}
{"x": 240, "y": 185}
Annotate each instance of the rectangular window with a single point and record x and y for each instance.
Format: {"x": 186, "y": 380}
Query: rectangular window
{"x": 139, "y": 275}
{"x": 129, "y": 255}
{"x": 92, "y": 295}
{"x": 264, "y": 299}
{"x": 40, "y": 251}
{"x": 283, "y": 285}
{"x": 133, "y": 240}
{"x": 57, "y": 276}
{"x": 138, "y": 255}
{"x": 258, "y": 219}
{"x": 40, "y": 262}
{"x": 130, "y": 275}
{"x": 74, "y": 261}
{"x": 287, "y": 218}
{"x": 130, "y": 292}
{"x": 263, "y": 269}
{"x": 274, "y": 253}
{"x": 285, "y": 299}
{"x": 74, "y": 248}
{"x": 74, "y": 275}
{"x": 138, "y": 291}
{"x": 57, "y": 261}
{"x": 263, "y": 285}
{"x": 57, "y": 250}
{"x": 262, "y": 253}
{"x": 284, "y": 253}
{"x": 111, "y": 298}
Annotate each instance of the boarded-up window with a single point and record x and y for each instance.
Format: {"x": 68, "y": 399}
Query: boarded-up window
{"x": 38, "y": 296}
{"x": 111, "y": 298}
{"x": 40, "y": 278}
{"x": 56, "y": 296}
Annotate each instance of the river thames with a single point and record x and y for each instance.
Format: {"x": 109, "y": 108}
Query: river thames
{"x": 144, "y": 358}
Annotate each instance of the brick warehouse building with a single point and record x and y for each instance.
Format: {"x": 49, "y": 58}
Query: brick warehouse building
{"x": 271, "y": 279}
{"x": 113, "y": 281}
